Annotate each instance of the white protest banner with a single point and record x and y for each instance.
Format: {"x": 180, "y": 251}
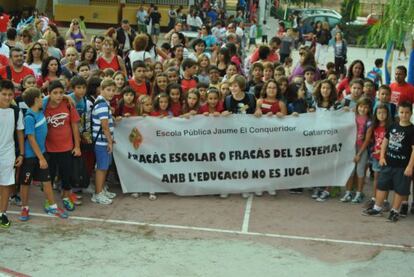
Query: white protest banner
{"x": 238, "y": 153}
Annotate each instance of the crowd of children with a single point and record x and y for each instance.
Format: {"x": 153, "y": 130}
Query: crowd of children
{"x": 63, "y": 118}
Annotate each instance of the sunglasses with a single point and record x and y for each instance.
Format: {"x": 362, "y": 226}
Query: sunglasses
{"x": 37, "y": 48}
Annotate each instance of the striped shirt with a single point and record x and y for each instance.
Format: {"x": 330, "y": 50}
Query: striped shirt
{"x": 101, "y": 111}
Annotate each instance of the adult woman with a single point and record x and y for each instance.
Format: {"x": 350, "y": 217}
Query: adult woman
{"x": 89, "y": 55}
{"x": 322, "y": 46}
{"x": 340, "y": 50}
{"x": 109, "y": 58}
{"x": 26, "y": 39}
{"x": 97, "y": 44}
{"x": 71, "y": 56}
{"x": 139, "y": 54}
{"x": 306, "y": 58}
{"x": 178, "y": 27}
{"x": 178, "y": 54}
{"x": 51, "y": 71}
{"x": 76, "y": 34}
{"x": 206, "y": 35}
{"x": 194, "y": 21}
{"x": 154, "y": 50}
{"x": 34, "y": 58}
{"x": 355, "y": 71}
{"x": 51, "y": 37}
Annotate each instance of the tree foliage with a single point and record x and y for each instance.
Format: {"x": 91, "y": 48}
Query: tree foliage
{"x": 305, "y": 3}
{"x": 350, "y": 10}
{"x": 398, "y": 19}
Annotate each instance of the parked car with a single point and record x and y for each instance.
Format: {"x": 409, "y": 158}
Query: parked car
{"x": 315, "y": 11}
{"x": 332, "y": 20}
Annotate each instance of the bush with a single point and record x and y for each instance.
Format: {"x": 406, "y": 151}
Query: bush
{"x": 356, "y": 34}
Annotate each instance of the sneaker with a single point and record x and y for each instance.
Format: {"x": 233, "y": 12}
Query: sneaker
{"x": 108, "y": 194}
{"x": 5, "y": 222}
{"x": 386, "y": 207}
{"x": 296, "y": 191}
{"x": 347, "y": 197}
{"x": 393, "y": 216}
{"x": 90, "y": 189}
{"x": 68, "y": 204}
{"x": 15, "y": 200}
{"x": 370, "y": 204}
{"x": 55, "y": 211}
{"x": 75, "y": 199}
{"x": 245, "y": 195}
{"x": 259, "y": 193}
{"x": 224, "y": 195}
{"x": 357, "y": 199}
{"x": 372, "y": 212}
{"x": 404, "y": 209}
{"x": 101, "y": 198}
{"x": 323, "y": 196}
{"x": 152, "y": 197}
{"x": 315, "y": 193}
{"x": 24, "y": 215}
{"x": 272, "y": 192}
{"x": 412, "y": 208}
{"x": 135, "y": 195}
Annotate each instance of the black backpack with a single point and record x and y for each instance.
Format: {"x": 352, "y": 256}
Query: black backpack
{"x": 16, "y": 111}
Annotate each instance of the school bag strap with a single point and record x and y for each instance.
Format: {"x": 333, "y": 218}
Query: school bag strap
{"x": 95, "y": 139}
{"x": 9, "y": 72}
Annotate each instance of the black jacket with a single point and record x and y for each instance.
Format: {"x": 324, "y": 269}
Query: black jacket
{"x": 120, "y": 36}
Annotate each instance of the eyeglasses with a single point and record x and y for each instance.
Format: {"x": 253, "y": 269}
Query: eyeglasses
{"x": 75, "y": 23}
{"x": 37, "y": 49}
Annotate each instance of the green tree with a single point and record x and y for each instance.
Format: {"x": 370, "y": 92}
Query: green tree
{"x": 350, "y": 10}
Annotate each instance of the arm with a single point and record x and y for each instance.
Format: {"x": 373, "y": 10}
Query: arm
{"x": 409, "y": 169}
{"x": 20, "y": 140}
{"x": 76, "y": 137}
{"x": 258, "y": 112}
{"x": 283, "y": 109}
{"x": 384, "y": 146}
{"x": 122, "y": 65}
{"x": 36, "y": 150}
{"x": 364, "y": 146}
{"x": 161, "y": 53}
{"x": 107, "y": 133}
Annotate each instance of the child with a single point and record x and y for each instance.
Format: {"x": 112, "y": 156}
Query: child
{"x": 63, "y": 139}
{"x": 175, "y": 93}
{"x": 108, "y": 73}
{"x": 397, "y": 161}
{"x": 138, "y": 83}
{"x": 325, "y": 96}
{"x": 376, "y": 73}
{"x": 255, "y": 77}
{"x": 350, "y": 100}
{"x": 144, "y": 105}
{"x": 381, "y": 123}
{"x": 173, "y": 75}
{"x": 269, "y": 103}
{"x": 265, "y": 32}
{"x": 103, "y": 139}
{"x": 149, "y": 73}
{"x": 364, "y": 134}
{"x": 188, "y": 80}
{"x": 369, "y": 90}
{"x": 230, "y": 71}
{"x": 203, "y": 64}
{"x": 28, "y": 82}
{"x": 12, "y": 134}
{"x": 120, "y": 82}
{"x": 35, "y": 165}
{"x": 202, "y": 90}
{"x": 84, "y": 70}
{"x": 160, "y": 84}
{"x": 158, "y": 68}
{"x": 288, "y": 65}
{"x": 287, "y": 44}
{"x": 213, "y": 105}
{"x": 252, "y": 34}
{"x": 309, "y": 74}
{"x": 161, "y": 105}
{"x": 295, "y": 99}
{"x": 333, "y": 78}
{"x": 283, "y": 84}
{"x": 279, "y": 73}
{"x": 191, "y": 103}
{"x": 384, "y": 97}
{"x": 214, "y": 76}
{"x": 239, "y": 102}
{"x": 128, "y": 104}
{"x": 268, "y": 70}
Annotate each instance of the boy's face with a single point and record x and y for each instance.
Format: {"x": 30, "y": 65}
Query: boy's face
{"x": 200, "y": 48}
{"x": 139, "y": 74}
{"x": 38, "y": 103}
{"x": 235, "y": 89}
{"x": 356, "y": 90}
{"x": 192, "y": 70}
{"x": 267, "y": 73}
{"x": 309, "y": 75}
{"x": 203, "y": 92}
{"x": 6, "y": 97}
{"x": 172, "y": 77}
{"x": 56, "y": 95}
{"x": 333, "y": 78}
{"x": 368, "y": 89}
{"x": 84, "y": 72}
{"x": 79, "y": 91}
{"x": 384, "y": 95}
{"x": 231, "y": 70}
{"x": 257, "y": 73}
{"x": 214, "y": 76}
{"x": 108, "y": 92}
{"x": 405, "y": 114}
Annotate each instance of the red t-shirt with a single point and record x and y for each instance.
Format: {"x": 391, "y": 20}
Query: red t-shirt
{"x": 401, "y": 93}
{"x": 187, "y": 84}
{"x": 272, "y": 107}
{"x": 3, "y": 60}
{"x": 4, "y": 20}
{"x": 115, "y": 101}
{"x": 159, "y": 113}
{"x": 176, "y": 109}
{"x": 17, "y": 77}
{"x": 59, "y": 136}
{"x": 343, "y": 86}
{"x": 205, "y": 109}
{"x": 140, "y": 89}
{"x": 273, "y": 57}
{"x": 121, "y": 111}
{"x": 103, "y": 64}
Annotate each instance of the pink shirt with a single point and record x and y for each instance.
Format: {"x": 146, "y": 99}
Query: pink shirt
{"x": 362, "y": 126}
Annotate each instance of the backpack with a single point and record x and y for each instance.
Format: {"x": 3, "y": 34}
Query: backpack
{"x": 94, "y": 139}
{"x": 16, "y": 112}
{"x": 374, "y": 76}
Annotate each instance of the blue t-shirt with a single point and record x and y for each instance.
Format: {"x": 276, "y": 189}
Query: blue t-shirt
{"x": 35, "y": 124}
{"x": 80, "y": 105}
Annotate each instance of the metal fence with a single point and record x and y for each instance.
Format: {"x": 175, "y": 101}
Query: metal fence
{"x": 104, "y": 2}
{"x": 160, "y": 2}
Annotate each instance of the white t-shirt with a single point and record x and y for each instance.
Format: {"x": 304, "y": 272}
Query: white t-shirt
{"x": 7, "y": 151}
{"x": 139, "y": 56}
{"x": 37, "y": 69}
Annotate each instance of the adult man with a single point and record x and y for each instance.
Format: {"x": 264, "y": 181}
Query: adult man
{"x": 4, "y": 23}
{"x": 125, "y": 36}
{"x": 16, "y": 71}
{"x": 142, "y": 16}
{"x": 401, "y": 90}
{"x": 273, "y": 56}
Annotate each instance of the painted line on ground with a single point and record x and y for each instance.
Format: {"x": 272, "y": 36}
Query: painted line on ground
{"x": 246, "y": 218}
{"x": 11, "y": 272}
{"x": 234, "y": 232}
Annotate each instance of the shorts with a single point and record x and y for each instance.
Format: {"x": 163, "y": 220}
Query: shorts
{"x": 252, "y": 41}
{"x": 103, "y": 158}
{"x": 60, "y": 163}
{"x": 375, "y": 165}
{"x": 31, "y": 171}
{"x": 155, "y": 30}
{"x": 360, "y": 167}
{"x": 393, "y": 178}
{"x": 7, "y": 172}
